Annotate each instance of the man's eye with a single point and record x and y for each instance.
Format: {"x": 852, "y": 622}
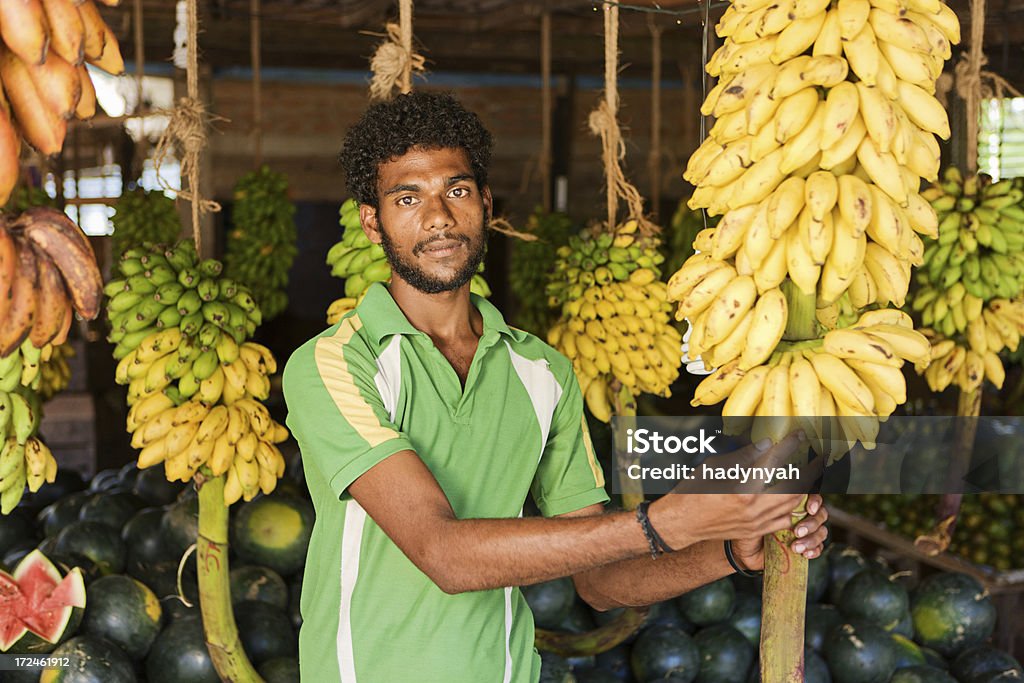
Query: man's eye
{"x": 405, "y": 201}
{"x": 459, "y": 192}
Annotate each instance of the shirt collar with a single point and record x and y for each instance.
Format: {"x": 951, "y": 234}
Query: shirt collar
{"x": 382, "y": 317}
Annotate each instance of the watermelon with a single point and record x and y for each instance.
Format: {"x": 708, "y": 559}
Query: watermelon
{"x": 860, "y": 653}
{"x": 578, "y": 619}
{"x": 92, "y": 660}
{"x": 151, "y": 485}
{"x": 746, "y": 617}
{"x": 100, "y": 543}
{"x": 127, "y": 474}
{"x": 984, "y": 663}
{"x": 550, "y": 601}
{"x": 817, "y": 579}
{"x": 146, "y": 548}
{"x": 164, "y": 583}
{"x": 105, "y": 480}
{"x": 815, "y": 668}
{"x": 844, "y": 563}
{"x": 280, "y": 670}
{"x": 15, "y": 528}
{"x": 295, "y": 600}
{"x": 709, "y": 604}
{"x": 179, "y": 654}
{"x": 907, "y": 652}
{"x": 951, "y": 613}
{"x": 38, "y": 607}
{"x": 180, "y": 525}
{"x": 112, "y": 509}
{"x": 663, "y": 651}
{"x": 125, "y": 612}
{"x": 17, "y": 553}
{"x": 871, "y": 596}
{"x": 616, "y": 662}
{"x": 725, "y": 654}
{"x": 921, "y": 674}
{"x": 274, "y": 531}
{"x": 54, "y": 517}
{"x": 666, "y": 613}
{"x": 819, "y": 621}
{"x": 67, "y": 482}
{"x": 266, "y": 631}
{"x": 65, "y": 563}
{"x": 595, "y": 675}
{"x": 554, "y": 669}
{"x": 905, "y": 627}
{"x": 933, "y": 658}
{"x": 252, "y": 582}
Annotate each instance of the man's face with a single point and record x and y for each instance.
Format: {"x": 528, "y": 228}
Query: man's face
{"x": 431, "y": 220}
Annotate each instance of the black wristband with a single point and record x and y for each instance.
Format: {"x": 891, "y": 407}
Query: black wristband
{"x": 735, "y": 565}
{"x": 656, "y": 543}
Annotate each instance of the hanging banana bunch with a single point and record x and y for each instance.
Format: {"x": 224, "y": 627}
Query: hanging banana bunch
{"x": 360, "y": 263}
{"x": 55, "y": 371}
{"x": 826, "y": 124}
{"x": 143, "y": 216}
{"x": 194, "y": 382}
{"x": 45, "y": 46}
{"x": 973, "y": 274}
{"x": 614, "y": 322}
{"x": 262, "y": 245}
{"x": 531, "y": 266}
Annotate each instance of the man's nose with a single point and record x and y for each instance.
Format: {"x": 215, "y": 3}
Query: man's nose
{"x": 439, "y": 215}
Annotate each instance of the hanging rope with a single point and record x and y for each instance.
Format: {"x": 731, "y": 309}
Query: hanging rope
{"x": 505, "y": 228}
{"x": 974, "y": 84}
{"x": 545, "y": 110}
{"x": 654, "y": 156}
{"x": 394, "y": 62}
{"x": 187, "y": 128}
{"x": 257, "y": 82}
{"x": 603, "y": 123}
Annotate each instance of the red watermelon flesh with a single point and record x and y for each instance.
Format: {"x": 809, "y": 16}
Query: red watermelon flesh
{"x": 36, "y": 599}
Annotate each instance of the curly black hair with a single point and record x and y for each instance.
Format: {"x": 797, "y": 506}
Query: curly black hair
{"x": 387, "y": 130}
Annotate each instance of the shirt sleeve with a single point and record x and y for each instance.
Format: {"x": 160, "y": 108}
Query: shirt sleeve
{"x": 568, "y": 477}
{"x": 336, "y": 412}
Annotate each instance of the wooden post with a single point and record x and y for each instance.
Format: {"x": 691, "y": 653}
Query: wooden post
{"x": 257, "y": 96}
{"x": 545, "y": 109}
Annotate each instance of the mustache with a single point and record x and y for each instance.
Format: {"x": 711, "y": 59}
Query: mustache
{"x": 425, "y": 244}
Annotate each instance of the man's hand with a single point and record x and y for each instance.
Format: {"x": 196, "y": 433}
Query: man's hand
{"x": 683, "y": 518}
{"x": 811, "y": 533}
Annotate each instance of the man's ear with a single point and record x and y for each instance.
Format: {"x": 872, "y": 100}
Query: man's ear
{"x": 485, "y": 194}
{"x": 368, "y": 219}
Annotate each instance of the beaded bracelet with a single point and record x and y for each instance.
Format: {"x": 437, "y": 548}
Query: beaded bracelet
{"x": 654, "y": 540}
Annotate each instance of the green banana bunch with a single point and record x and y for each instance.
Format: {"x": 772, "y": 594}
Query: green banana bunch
{"x": 262, "y": 244}
{"x": 360, "y": 263}
{"x": 164, "y": 288}
{"x": 24, "y": 460}
{"x": 614, "y": 322}
{"x": 25, "y": 196}
{"x": 531, "y": 265}
{"x": 143, "y": 216}
{"x": 980, "y": 239}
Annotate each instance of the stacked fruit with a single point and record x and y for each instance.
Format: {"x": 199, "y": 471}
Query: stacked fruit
{"x": 45, "y": 82}
{"x": 531, "y": 265}
{"x": 826, "y": 125}
{"x": 988, "y": 529}
{"x": 24, "y": 458}
{"x": 142, "y": 216}
{"x": 194, "y": 382}
{"x": 261, "y": 246}
{"x": 47, "y": 271}
{"x": 977, "y": 257}
{"x": 360, "y": 263}
{"x": 614, "y": 322}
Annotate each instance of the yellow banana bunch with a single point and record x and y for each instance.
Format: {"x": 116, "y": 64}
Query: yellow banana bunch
{"x": 973, "y": 355}
{"x": 853, "y": 375}
{"x": 22, "y": 463}
{"x": 54, "y": 370}
{"x": 615, "y": 322}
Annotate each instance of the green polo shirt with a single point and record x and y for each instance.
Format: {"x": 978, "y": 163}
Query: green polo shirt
{"x": 373, "y": 385}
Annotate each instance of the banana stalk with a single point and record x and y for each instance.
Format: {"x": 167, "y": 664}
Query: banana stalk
{"x": 784, "y": 596}
{"x": 946, "y": 512}
{"x": 783, "y": 607}
{"x": 222, "y": 640}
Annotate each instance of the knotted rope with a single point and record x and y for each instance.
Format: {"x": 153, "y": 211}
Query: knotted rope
{"x": 394, "y": 61}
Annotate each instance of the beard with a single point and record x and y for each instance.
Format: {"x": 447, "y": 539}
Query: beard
{"x": 425, "y": 282}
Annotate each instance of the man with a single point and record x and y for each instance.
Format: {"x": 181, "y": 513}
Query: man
{"x": 424, "y": 423}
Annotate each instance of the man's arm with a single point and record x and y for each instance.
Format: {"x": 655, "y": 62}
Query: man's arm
{"x": 401, "y": 495}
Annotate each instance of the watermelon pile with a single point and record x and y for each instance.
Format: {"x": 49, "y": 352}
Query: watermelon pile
{"x": 863, "y": 626}
{"x": 89, "y": 570}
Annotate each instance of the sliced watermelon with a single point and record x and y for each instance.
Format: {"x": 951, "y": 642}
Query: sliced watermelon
{"x": 38, "y": 607}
